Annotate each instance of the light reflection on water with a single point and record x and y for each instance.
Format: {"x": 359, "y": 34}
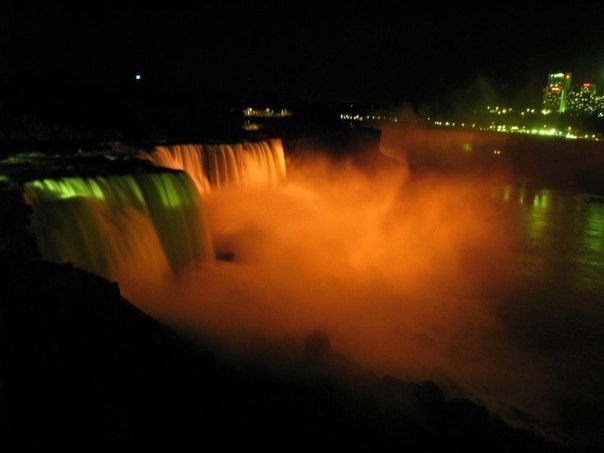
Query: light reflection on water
{"x": 555, "y": 311}
{"x": 562, "y": 235}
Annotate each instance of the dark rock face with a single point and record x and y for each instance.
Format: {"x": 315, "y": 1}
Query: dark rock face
{"x": 82, "y": 368}
{"x": 318, "y": 347}
{"x": 80, "y": 363}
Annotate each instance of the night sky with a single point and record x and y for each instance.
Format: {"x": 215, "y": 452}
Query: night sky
{"x": 416, "y": 53}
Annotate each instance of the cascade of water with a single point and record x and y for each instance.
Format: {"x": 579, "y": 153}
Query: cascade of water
{"x": 122, "y": 227}
{"x": 146, "y": 225}
{"x": 186, "y": 157}
{"x": 223, "y": 165}
{"x": 266, "y": 162}
{"x": 213, "y": 166}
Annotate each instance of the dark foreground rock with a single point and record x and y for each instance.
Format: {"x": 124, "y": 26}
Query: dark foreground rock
{"x": 83, "y": 369}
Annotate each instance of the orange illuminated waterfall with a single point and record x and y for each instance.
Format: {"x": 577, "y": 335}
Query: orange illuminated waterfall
{"x": 213, "y": 166}
{"x": 132, "y": 227}
{"x": 188, "y": 157}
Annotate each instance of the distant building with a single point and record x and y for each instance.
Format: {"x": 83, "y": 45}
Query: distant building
{"x": 556, "y": 92}
{"x": 583, "y": 100}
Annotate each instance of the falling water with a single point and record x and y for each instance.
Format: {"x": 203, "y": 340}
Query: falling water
{"x": 145, "y": 227}
{"x": 187, "y": 157}
{"x": 213, "y": 166}
{"x": 123, "y": 227}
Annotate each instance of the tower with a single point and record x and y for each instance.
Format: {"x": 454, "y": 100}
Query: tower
{"x": 556, "y": 92}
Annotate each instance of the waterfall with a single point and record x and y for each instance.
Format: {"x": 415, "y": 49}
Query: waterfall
{"x": 215, "y": 166}
{"x": 122, "y": 227}
{"x": 188, "y": 157}
{"x": 108, "y": 217}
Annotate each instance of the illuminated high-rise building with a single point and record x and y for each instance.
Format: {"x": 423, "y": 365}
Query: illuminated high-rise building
{"x": 583, "y": 100}
{"x": 556, "y": 92}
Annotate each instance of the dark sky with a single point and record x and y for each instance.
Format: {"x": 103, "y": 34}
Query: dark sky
{"x": 417, "y": 53}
